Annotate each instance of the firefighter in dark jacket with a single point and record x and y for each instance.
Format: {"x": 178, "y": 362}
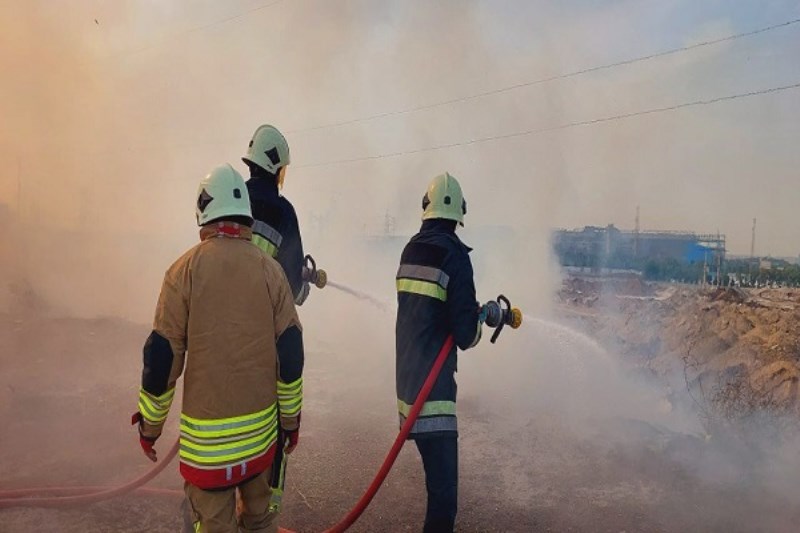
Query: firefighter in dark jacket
{"x": 275, "y": 229}
{"x": 436, "y": 298}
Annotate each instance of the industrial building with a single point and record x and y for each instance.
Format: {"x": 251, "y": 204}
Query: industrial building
{"x": 611, "y": 247}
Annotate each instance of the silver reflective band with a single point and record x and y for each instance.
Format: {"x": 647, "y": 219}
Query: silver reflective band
{"x": 478, "y": 335}
{"x": 433, "y": 424}
{"x": 268, "y": 232}
{"x": 424, "y": 273}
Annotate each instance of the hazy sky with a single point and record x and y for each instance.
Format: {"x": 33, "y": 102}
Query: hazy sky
{"x": 113, "y": 110}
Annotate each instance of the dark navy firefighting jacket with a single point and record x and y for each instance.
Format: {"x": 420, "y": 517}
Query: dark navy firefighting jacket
{"x": 436, "y": 298}
{"x": 275, "y": 229}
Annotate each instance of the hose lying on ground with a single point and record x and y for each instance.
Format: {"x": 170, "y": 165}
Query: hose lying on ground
{"x": 69, "y": 496}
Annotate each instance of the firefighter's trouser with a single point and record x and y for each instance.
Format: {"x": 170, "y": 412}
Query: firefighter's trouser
{"x": 440, "y": 459}
{"x": 214, "y": 511}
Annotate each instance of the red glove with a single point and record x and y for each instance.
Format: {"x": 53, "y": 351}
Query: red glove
{"x": 145, "y": 442}
{"x": 292, "y": 438}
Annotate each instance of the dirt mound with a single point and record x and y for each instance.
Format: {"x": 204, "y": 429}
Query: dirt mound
{"x": 590, "y": 290}
{"x": 738, "y": 350}
{"x": 727, "y": 294}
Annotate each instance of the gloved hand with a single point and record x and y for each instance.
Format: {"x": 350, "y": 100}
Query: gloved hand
{"x": 145, "y": 442}
{"x": 307, "y": 274}
{"x": 292, "y": 438}
{"x": 482, "y": 313}
{"x": 491, "y": 314}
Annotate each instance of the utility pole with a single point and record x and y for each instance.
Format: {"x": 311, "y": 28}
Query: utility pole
{"x": 636, "y": 235}
{"x": 752, "y": 252}
{"x": 19, "y": 188}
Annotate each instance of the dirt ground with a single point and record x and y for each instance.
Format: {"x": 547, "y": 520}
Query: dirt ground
{"x": 68, "y": 386}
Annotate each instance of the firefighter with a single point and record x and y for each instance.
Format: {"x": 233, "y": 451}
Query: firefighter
{"x": 226, "y": 320}
{"x": 277, "y": 232}
{"x": 436, "y": 298}
{"x": 275, "y": 226}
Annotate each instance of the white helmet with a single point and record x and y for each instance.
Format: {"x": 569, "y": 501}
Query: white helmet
{"x": 268, "y": 149}
{"x": 222, "y": 193}
{"x": 444, "y": 199}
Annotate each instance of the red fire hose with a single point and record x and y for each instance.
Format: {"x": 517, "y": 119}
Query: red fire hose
{"x": 68, "y": 496}
{"x": 362, "y": 504}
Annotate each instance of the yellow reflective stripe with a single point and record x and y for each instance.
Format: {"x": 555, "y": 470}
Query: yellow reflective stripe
{"x": 223, "y": 427}
{"x": 290, "y": 397}
{"x": 290, "y": 401}
{"x": 266, "y": 440}
{"x": 424, "y": 288}
{"x": 438, "y": 407}
{"x": 231, "y": 445}
{"x": 233, "y": 419}
{"x": 291, "y": 409}
{"x": 265, "y": 245}
{"x": 149, "y": 416}
{"x": 228, "y": 458}
{"x": 154, "y": 409}
{"x": 294, "y": 386}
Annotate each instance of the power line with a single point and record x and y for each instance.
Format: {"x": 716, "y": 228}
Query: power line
{"x": 161, "y": 41}
{"x": 559, "y": 127}
{"x": 546, "y": 80}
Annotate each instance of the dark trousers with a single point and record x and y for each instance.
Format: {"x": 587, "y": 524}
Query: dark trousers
{"x": 440, "y": 460}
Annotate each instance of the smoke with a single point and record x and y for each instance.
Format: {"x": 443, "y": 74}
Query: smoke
{"x": 134, "y": 108}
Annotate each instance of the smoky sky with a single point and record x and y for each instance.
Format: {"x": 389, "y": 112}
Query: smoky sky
{"x": 113, "y": 111}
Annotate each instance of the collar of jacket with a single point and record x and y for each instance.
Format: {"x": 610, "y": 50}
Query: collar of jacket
{"x": 225, "y": 229}
{"x": 263, "y": 185}
{"x": 439, "y": 225}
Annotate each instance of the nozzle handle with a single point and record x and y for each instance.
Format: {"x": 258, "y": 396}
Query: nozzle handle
{"x": 511, "y": 316}
{"x": 313, "y": 275}
{"x": 310, "y": 260}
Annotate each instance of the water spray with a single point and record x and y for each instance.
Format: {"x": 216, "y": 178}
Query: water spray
{"x": 383, "y": 306}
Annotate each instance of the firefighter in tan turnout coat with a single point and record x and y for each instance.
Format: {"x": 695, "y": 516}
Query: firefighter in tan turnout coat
{"x": 226, "y": 320}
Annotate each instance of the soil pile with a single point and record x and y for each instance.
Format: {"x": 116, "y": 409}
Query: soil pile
{"x": 738, "y": 349}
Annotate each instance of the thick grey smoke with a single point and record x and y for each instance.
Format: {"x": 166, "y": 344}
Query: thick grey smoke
{"x": 133, "y": 109}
